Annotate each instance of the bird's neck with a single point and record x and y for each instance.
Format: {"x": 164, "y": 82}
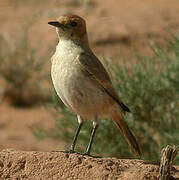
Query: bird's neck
{"x": 83, "y": 42}
{"x": 69, "y": 46}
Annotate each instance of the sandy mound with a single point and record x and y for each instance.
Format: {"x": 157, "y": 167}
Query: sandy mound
{"x": 16, "y": 164}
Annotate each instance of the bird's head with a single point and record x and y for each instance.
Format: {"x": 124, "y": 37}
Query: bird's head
{"x": 71, "y": 27}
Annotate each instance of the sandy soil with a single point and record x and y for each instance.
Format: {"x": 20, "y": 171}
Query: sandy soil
{"x": 58, "y": 165}
{"x": 111, "y": 25}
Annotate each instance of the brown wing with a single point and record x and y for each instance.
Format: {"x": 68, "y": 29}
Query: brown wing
{"x": 95, "y": 68}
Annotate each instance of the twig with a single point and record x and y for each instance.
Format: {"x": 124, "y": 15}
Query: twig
{"x": 168, "y": 155}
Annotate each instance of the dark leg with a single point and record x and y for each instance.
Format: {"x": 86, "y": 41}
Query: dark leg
{"x": 80, "y": 121}
{"x": 95, "y": 126}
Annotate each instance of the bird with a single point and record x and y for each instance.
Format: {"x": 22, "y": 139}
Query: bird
{"x": 82, "y": 82}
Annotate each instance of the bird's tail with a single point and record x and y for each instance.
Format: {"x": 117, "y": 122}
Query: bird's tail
{"x": 127, "y": 133}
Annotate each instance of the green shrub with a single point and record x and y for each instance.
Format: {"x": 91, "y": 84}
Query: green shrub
{"x": 150, "y": 88}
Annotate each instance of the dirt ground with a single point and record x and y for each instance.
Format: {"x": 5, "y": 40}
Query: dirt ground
{"x": 58, "y": 165}
{"x": 112, "y": 25}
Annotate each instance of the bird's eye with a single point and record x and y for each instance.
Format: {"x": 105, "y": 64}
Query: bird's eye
{"x": 73, "y": 23}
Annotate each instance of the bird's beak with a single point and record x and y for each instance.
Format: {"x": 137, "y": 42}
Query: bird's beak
{"x": 56, "y": 24}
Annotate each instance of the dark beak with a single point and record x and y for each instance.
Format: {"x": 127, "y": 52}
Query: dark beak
{"x": 56, "y": 24}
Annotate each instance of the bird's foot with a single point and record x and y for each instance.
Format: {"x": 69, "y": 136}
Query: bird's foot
{"x": 71, "y": 152}
{"x": 88, "y": 154}
{"x": 66, "y": 151}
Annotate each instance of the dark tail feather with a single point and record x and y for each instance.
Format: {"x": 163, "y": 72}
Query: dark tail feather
{"x": 127, "y": 133}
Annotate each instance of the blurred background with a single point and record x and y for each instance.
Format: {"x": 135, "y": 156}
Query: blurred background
{"x": 138, "y": 43}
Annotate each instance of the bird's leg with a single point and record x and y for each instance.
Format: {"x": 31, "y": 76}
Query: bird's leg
{"x": 80, "y": 121}
{"x": 95, "y": 126}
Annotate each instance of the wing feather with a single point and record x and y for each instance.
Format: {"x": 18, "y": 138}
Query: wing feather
{"x": 97, "y": 70}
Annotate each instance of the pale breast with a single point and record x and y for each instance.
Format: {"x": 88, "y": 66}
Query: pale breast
{"x": 64, "y": 70}
{"x": 79, "y": 91}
